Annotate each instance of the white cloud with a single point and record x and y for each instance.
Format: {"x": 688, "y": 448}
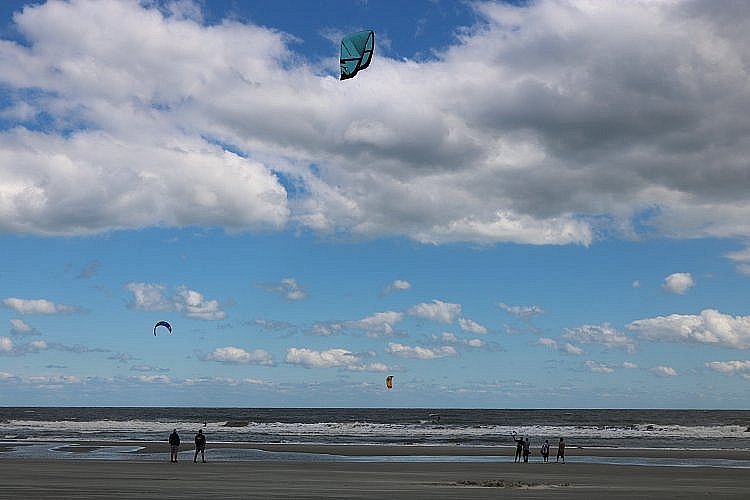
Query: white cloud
{"x": 369, "y": 367}
{"x": 678, "y": 283}
{"x": 37, "y": 306}
{"x": 36, "y": 346}
{"x": 130, "y": 153}
{"x": 739, "y": 255}
{"x": 231, "y": 354}
{"x": 20, "y": 327}
{"x": 147, "y": 368}
{"x": 381, "y": 323}
{"x": 569, "y": 348}
{"x": 6, "y": 344}
{"x": 730, "y": 367}
{"x": 547, "y": 342}
{"x": 470, "y": 326}
{"x": 521, "y": 311}
{"x": 331, "y": 358}
{"x": 598, "y": 367}
{"x": 616, "y": 139}
{"x": 475, "y": 343}
{"x": 438, "y": 311}
{"x": 325, "y": 329}
{"x": 664, "y": 371}
{"x": 418, "y": 352}
{"x": 710, "y": 327}
{"x": 397, "y": 286}
{"x": 194, "y": 305}
{"x": 449, "y": 337}
{"x": 152, "y": 379}
{"x": 320, "y": 359}
{"x": 149, "y": 297}
{"x": 287, "y": 288}
{"x": 742, "y": 258}
{"x": 603, "y": 334}
{"x": 152, "y": 297}
{"x": 122, "y": 357}
{"x": 53, "y": 381}
{"x": 629, "y": 365}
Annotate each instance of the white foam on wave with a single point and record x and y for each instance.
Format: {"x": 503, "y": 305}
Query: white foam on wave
{"x": 361, "y": 431}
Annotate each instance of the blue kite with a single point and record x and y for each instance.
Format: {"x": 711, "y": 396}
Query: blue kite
{"x": 356, "y": 53}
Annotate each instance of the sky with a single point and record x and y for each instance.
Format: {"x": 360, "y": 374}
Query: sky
{"x": 539, "y": 204}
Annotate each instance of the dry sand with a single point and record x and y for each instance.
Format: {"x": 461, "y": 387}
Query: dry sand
{"x": 84, "y": 479}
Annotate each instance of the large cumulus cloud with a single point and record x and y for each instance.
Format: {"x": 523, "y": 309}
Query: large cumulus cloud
{"x": 709, "y": 327}
{"x": 552, "y": 123}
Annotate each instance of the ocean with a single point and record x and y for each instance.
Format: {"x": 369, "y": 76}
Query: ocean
{"x": 584, "y": 428}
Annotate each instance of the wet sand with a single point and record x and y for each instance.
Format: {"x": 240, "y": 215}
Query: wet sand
{"x": 94, "y": 479}
{"x": 478, "y": 451}
{"x": 358, "y": 450}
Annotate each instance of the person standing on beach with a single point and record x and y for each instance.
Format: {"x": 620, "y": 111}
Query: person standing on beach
{"x": 519, "y": 447}
{"x": 200, "y": 445}
{"x": 174, "y": 446}
{"x": 526, "y": 451}
{"x": 561, "y": 450}
{"x": 545, "y": 451}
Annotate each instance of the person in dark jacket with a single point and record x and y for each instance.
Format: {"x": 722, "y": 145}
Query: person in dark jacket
{"x": 561, "y": 451}
{"x": 174, "y": 446}
{"x": 200, "y": 445}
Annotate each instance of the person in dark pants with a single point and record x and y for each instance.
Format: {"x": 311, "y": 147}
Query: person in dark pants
{"x": 545, "y": 451}
{"x": 561, "y": 451}
{"x": 519, "y": 447}
{"x": 174, "y": 446}
{"x": 200, "y": 445}
{"x": 526, "y": 451}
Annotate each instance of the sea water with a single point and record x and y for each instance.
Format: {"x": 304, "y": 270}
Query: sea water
{"x": 584, "y": 428}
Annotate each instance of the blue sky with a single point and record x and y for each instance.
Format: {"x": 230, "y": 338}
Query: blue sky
{"x": 517, "y": 205}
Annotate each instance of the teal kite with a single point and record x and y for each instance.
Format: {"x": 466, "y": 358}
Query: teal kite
{"x": 356, "y": 53}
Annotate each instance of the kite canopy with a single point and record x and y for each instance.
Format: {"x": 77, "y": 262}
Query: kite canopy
{"x": 356, "y": 52}
{"x": 164, "y": 324}
{"x": 389, "y": 381}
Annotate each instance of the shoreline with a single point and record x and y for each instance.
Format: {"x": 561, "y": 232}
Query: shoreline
{"x": 381, "y": 450}
{"x": 141, "y": 469}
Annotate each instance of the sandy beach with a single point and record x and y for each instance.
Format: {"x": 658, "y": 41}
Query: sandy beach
{"x": 87, "y": 478}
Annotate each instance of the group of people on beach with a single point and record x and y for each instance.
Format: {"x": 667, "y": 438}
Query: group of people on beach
{"x": 523, "y": 449}
{"x": 200, "y": 446}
